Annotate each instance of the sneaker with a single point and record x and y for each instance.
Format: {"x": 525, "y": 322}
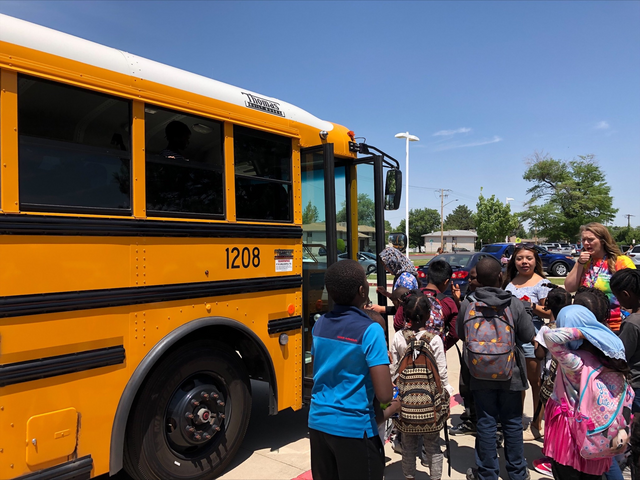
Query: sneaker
{"x": 472, "y": 474}
{"x": 543, "y": 466}
{"x": 499, "y": 439}
{"x": 462, "y": 429}
{"x": 396, "y": 446}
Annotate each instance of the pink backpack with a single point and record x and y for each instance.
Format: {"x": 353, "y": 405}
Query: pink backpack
{"x": 603, "y": 414}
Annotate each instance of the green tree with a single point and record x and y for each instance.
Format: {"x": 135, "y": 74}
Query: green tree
{"x": 310, "y": 214}
{"x": 566, "y": 195}
{"x": 387, "y": 230}
{"x": 494, "y": 220}
{"x": 461, "y": 218}
{"x": 625, "y": 235}
{"x": 366, "y": 211}
{"x": 421, "y": 221}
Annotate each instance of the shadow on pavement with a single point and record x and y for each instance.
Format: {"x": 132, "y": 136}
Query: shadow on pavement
{"x": 270, "y": 432}
{"x": 264, "y": 431}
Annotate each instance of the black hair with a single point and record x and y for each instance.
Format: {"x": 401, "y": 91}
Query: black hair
{"x": 176, "y": 129}
{"x": 627, "y": 279}
{"x": 596, "y": 301}
{"x": 400, "y": 294}
{"x": 343, "y": 280}
{"x": 512, "y": 270}
{"x": 417, "y": 310}
{"x": 557, "y": 299}
{"x": 488, "y": 270}
{"x": 375, "y": 317}
{"x": 439, "y": 272}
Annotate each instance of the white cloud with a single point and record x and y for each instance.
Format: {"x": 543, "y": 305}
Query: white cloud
{"x": 495, "y": 139}
{"x": 602, "y": 125}
{"x": 448, "y": 133}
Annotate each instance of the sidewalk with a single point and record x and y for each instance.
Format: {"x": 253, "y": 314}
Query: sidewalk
{"x": 277, "y": 448}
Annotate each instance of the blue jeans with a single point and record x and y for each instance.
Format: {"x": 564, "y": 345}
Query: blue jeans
{"x": 614, "y": 472}
{"x": 502, "y": 406}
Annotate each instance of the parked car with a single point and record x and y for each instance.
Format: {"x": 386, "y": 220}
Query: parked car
{"x": 554, "y": 264}
{"x": 562, "y": 248}
{"x": 367, "y": 263}
{"x": 461, "y": 263}
{"x": 575, "y": 249}
{"x": 634, "y": 255}
{"x": 624, "y": 248}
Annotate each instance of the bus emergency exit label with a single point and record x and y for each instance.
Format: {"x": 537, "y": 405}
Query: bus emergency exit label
{"x": 284, "y": 260}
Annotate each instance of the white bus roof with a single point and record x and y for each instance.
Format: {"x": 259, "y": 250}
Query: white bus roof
{"x": 37, "y": 37}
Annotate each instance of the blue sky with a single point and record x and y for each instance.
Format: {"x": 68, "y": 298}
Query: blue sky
{"x": 483, "y": 84}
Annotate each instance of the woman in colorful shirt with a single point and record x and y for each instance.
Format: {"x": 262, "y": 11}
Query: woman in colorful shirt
{"x": 599, "y": 259}
{"x": 580, "y": 342}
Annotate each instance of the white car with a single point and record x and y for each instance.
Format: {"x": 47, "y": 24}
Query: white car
{"x": 634, "y": 254}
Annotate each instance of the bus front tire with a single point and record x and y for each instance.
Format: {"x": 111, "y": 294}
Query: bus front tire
{"x": 190, "y": 416}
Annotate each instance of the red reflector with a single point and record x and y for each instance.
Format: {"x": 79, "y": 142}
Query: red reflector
{"x": 421, "y": 274}
{"x": 460, "y": 275}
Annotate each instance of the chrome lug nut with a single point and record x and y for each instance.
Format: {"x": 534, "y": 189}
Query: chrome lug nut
{"x": 214, "y": 395}
{"x": 216, "y": 428}
{"x": 221, "y": 403}
{"x": 189, "y": 415}
{"x": 197, "y": 437}
{"x": 195, "y": 403}
{"x": 190, "y": 429}
{"x": 207, "y": 436}
{"x": 221, "y": 415}
{"x": 205, "y": 395}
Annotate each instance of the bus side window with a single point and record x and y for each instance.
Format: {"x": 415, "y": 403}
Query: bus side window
{"x": 74, "y": 149}
{"x": 263, "y": 175}
{"x": 184, "y": 164}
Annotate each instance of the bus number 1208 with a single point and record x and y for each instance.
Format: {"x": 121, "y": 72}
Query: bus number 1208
{"x": 244, "y": 258}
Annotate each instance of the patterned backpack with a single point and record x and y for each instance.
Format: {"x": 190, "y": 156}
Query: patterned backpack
{"x": 489, "y": 341}
{"x": 424, "y": 402}
{"x": 436, "y": 318}
{"x": 603, "y": 415}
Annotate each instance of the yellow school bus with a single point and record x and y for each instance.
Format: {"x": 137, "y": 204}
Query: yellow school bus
{"x": 163, "y": 242}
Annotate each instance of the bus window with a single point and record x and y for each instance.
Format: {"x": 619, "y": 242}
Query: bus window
{"x": 74, "y": 149}
{"x": 263, "y": 171}
{"x": 184, "y": 164}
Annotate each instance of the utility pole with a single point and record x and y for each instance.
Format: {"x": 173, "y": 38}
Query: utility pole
{"x": 628, "y": 215}
{"x": 442, "y": 196}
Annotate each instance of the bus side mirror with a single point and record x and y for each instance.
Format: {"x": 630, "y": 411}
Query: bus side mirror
{"x": 393, "y": 189}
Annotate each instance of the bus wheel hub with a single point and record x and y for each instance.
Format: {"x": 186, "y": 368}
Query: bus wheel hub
{"x": 194, "y": 416}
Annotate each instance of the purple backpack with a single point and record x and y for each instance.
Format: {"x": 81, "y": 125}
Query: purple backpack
{"x": 603, "y": 415}
{"x": 489, "y": 341}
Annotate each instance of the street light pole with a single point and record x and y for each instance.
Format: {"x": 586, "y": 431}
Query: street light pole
{"x": 507, "y": 203}
{"x": 409, "y": 138}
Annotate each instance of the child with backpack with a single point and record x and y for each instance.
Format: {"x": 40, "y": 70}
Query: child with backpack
{"x": 350, "y": 366}
{"x": 444, "y": 309}
{"x": 419, "y": 367}
{"x": 557, "y": 299}
{"x": 625, "y": 285}
{"x": 588, "y": 414}
{"x": 492, "y": 326}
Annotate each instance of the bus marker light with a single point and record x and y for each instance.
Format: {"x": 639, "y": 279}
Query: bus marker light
{"x": 352, "y": 135}
{"x": 291, "y": 309}
{"x": 284, "y": 339}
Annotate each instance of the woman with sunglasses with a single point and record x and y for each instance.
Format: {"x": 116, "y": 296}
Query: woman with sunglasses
{"x": 599, "y": 259}
{"x": 525, "y": 280}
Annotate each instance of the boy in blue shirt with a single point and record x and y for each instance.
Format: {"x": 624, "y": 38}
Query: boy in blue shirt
{"x": 350, "y": 366}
